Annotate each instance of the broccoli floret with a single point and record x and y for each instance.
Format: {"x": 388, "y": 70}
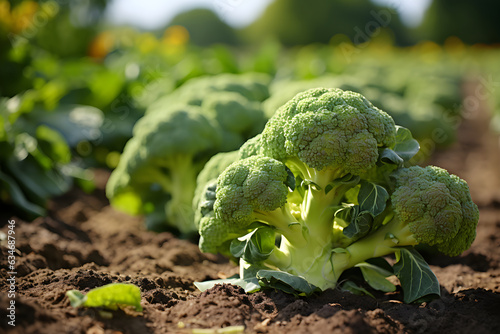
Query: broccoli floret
{"x": 436, "y": 208}
{"x": 328, "y": 131}
{"x": 429, "y": 206}
{"x": 248, "y": 191}
{"x": 207, "y": 179}
{"x": 239, "y": 117}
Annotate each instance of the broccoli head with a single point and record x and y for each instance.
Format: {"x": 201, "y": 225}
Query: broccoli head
{"x": 436, "y": 207}
{"x": 429, "y": 206}
{"x": 328, "y": 130}
{"x": 157, "y": 172}
{"x": 326, "y": 180}
{"x": 248, "y": 191}
{"x": 180, "y": 132}
{"x": 252, "y": 86}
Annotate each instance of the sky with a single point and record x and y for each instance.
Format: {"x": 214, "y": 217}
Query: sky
{"x": 154, "y": 14}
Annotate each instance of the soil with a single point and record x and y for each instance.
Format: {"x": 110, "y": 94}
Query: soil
{"x": 83, "y": 243}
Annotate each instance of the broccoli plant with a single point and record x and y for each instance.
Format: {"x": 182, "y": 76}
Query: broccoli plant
{"x": 157, "y": 173}
{"x": 324, "y": 189}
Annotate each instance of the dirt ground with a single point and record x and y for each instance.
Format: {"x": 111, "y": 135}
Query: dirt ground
{"x": 84, "y": 243}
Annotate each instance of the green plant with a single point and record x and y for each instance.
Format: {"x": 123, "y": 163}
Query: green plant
{"x": 323, "y": 189}
{"x": 112, "y": 296}
{"x": 156, "y": 175}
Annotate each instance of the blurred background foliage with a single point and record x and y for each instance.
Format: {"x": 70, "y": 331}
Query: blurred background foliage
{"x": 73, "y": 85}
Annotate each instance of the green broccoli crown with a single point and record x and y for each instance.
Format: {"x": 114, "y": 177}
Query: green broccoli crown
{"x": 246, "y": 189}
{"x": 235, "y": 113}
{"x": 206, "y": 181}
{"x": 437, "y": 208}
{"x": 251, "y": 147}
{"x": 157, "y": 171}
{"x": 329, "y": 128}
{"x": 256, "y": 183}
{"x": 252, "y": 86}
{"x": 183, "y": 129}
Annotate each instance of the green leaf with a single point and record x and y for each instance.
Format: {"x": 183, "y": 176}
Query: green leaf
{"x": 111, "y": 296}
{"x": 76, "y": 298}
{"x": 376, "y": 277}
{"x": 16, "y": 196}
{"x": 286, "y": 282}
{"x": 343, "y": 215}
{"x": 388, "y": 156}
{"x": 382, "y": 263}
{"x": 406, "y": 147}
{"x": 249, "y": 284}
{"x": 417, "y": 279}
{"x": 310, "y": 183}
{"x": 372, "y": 198}
{"x": 355, "y": 289}
{"x": 255, "y": 246}
{"x": 53, "y": 144}
{"x": 360, "y": 223}
{"x": 347, "y": 180}
{"x": 75, "y": 123}
{"x": 35, "y": 180}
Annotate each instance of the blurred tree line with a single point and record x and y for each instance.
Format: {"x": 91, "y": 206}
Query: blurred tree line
{"x": 471, "y": 21}
{"x": 296, "y": 22}
{"x": 66, "y": 29}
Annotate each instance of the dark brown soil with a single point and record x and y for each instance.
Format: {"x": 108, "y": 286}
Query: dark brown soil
{"x": 84, "y": 244}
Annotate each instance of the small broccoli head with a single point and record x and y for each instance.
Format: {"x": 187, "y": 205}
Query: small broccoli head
{"x": 329, "y": 128}
{"x": 251, "y": 147}
{"x": 157, "y": 172}
{"x": 252, "y": 86}
{"x": 256, "y": 183}
{"x": 206, "y": 182}
{"x": 244, "y": 193}
{"x": 235, "y": 113}
{"x": 437, "y": 208}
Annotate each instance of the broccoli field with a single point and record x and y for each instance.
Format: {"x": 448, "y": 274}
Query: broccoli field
{"x": 201, "y": 178}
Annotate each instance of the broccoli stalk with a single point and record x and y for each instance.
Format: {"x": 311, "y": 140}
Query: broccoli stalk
{"x": 181, "y": 173}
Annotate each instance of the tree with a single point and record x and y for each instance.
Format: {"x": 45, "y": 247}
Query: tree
{"x": 205, "y": 27}
{"x": 471, "y": 21}
{"x": 297, "y": 22}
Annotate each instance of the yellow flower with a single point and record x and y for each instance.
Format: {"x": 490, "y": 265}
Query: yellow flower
{"x": 176, "y": 36}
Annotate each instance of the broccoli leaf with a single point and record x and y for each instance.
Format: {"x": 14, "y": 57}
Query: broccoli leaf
{"x": 286, "y": 282}
{"x": 359, "y": 223}
{"x": 406, "y": 147}
{"x": 111, "y": 296}
{"x": 417, "y": 279}
{"x": 376, "y": 277}
{"x": 372, "y": 198}
{"x": 347, "y": 180}
{"x": 248, "y": 284}
{"x": 355, "y": 289}
{"x": 255, "y": 246}
{"x": 390, "y": 157}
